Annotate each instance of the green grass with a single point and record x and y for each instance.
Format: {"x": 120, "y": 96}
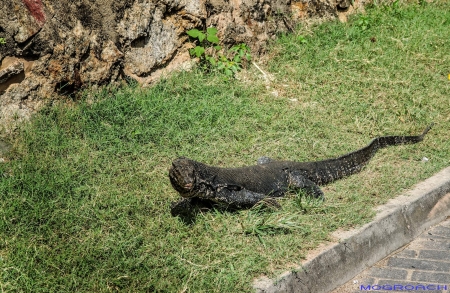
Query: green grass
{"x": 85, "y": 196}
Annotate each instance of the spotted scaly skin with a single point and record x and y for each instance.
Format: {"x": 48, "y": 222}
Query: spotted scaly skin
{"x": 243, "y": 187}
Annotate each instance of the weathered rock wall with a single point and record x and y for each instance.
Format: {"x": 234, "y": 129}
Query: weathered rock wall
{"x": 58, "y": 47}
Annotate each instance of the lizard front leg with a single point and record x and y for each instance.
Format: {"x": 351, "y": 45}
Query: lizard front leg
{"x": 241, "y": 198}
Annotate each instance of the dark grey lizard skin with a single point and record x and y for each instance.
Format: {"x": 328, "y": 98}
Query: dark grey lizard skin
{"x": 244, "y": 187}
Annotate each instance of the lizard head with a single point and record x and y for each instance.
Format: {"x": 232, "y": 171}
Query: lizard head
{"x": 182, "y": 176}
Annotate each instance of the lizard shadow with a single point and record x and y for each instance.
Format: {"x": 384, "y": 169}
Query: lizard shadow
{"x": 187, "y": 209}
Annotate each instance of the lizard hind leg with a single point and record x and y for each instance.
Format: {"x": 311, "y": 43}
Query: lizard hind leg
{"x": 298, "y": 181}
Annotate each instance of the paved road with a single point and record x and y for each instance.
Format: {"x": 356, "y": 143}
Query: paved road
{"x": 421, "y": 266}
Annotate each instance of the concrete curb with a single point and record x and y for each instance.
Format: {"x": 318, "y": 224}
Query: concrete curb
{"x": 396, "y": 224}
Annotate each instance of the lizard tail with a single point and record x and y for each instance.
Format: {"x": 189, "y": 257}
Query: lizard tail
{"x": 386, "y": 141}
{"x": 353, "y": 162}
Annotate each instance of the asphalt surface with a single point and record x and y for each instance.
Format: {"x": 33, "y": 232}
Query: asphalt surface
{"x": 420, "y": 266}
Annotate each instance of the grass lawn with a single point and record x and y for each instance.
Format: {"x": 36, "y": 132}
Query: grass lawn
{"x": 85, "y": 195}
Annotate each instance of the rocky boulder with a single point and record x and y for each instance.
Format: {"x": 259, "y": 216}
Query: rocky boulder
{"x": 55, "y": 48}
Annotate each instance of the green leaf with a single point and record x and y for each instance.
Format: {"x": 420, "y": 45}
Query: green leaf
{"x": 194, "y": 33}
{"x": 212, "y": 31}
{"x": 234, "y": 68}
{"x": 199, "y": 51}
{"x": 218, "y": 48}
{"x": 212, "y": 61}
{"x": 213, "y": 39}
{"x": 201, "y": 36}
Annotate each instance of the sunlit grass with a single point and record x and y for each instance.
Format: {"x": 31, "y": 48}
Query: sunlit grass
{"x": 85, "y": 196}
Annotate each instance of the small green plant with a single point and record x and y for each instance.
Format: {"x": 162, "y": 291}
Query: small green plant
{"x": 394, "y": 7}
{"x": 363, "y": 22}
{"x": 212, "y": 56}
{"x": 302, "y": 39}
{"x": 2, "y": 41}
{"x": 210, "y": 37}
